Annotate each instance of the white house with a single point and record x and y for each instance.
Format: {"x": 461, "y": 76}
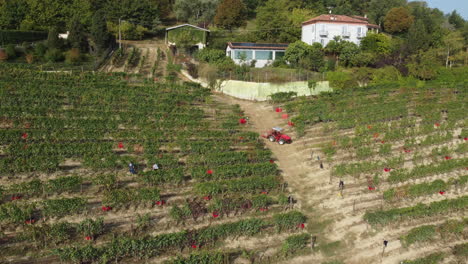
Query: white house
{"x": 262, "y": 53}
{"x": 324, "y": 28}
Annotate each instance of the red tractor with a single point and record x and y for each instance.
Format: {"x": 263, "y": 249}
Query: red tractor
{"x": 275, "y": 135}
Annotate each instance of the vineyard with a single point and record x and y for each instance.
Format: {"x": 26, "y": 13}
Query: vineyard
{"x": 66, "y": 144}
{"x": 401, "y": 152}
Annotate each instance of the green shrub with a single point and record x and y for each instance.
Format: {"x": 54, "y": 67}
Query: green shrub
{"x": 210, "y": 56}
{"x": 433, "y": 258}
{"x": 295, "y": 243}
{"x": 288, "y": 221}
{"x": 54, "y": 55}
{"x": 330, "y": 249}
{"x": 282, "y": 97}
{"x": 340, "y": 80}
{"x": 73, "y": 56}
{"x": 40, "y": 49}
{"x": 11, "y": 51}
{"x": 419, "y": 234}
{"x": 384, "y": 75}
{"x": 461, "y": 250}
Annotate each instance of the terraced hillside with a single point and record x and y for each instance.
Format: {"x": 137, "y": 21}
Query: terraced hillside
{"x": 402, "y": 156}
{"x": 67, "y": 194}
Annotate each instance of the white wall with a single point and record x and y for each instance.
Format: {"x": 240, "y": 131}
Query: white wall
{"x": 260, "y": 63}
{"x": 312, "y": 33}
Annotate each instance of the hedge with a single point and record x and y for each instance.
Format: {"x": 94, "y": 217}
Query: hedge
{"x": 18, "y": 37}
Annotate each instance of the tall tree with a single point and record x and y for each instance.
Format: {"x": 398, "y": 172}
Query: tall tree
{"x": 77, "y": 37}
{"x": 142, "y": 12}
{"x": 12, "y": 13}
{"x": 195, "y": 11}
{"x": 376, "y": 43}
{"x": 300, "y": 54}
{"x": 398, "y": 20}
{"x": 456, "y": 20}
{"x": 251, "y": 6}
{"x": 280, "y": 21}
{"x": 99, "y": 33}
{"x": 53, "y": 40}
{"x": 230, "y": 14}
{"x": 379, "y": 8}
{"x": 418, "y": 37}
{"x": 453, "y": 43}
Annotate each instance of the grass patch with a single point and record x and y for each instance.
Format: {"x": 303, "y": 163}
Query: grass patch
{"x": 433, "y": 258}
{"x": 330, "y": 249}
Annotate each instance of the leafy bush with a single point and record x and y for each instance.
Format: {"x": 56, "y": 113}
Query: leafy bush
{"x": 433, "y": 258}
{"x": 211, "y": 56}
{"x": 54, "y": 55}
{"x": 419, "y": 234}
{"x": 261, "y": 201}
{"x": 282, "y": 97}
{"x": 64, "y": 206}
{"x": 461, "y": 250}
{"x": 40, "y": 49}
{"x": 384, "y": 75}
{"x": 384, "y": 217}
{"x": 11, "y": 51}
{"x": 128, "y": 30}
{"x": 90, "y": 227}
{"x": 73, "y": 56}
{"x": 295, "y": 243}
{"x": 200, "y": 257}
{"x": 340, "y": 80}
{"x": 288, "y": 221}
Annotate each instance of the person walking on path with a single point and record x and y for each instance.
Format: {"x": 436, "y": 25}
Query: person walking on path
{"x": 341, "y": 185}
{"x": 131, "y": 168}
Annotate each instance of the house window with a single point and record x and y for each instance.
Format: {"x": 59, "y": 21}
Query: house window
{"x": 279, "y": 54}
{"x": 359, "y": 31}
{"x": 243, "y": 54}
{"x": 263, "y": 55}
{"x": 313, "y": 28}
{"x": 344, "y": 30}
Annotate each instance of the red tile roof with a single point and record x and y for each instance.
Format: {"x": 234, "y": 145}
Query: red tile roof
{"x": 340, "y": 19}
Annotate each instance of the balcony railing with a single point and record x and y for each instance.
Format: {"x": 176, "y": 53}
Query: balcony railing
{"x": 346, "y": 34}
{"x": 323, "y": 33}
{"x": 361, "y": 35}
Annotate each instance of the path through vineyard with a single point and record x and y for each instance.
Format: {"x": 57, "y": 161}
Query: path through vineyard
{"x": 319, "y": 199}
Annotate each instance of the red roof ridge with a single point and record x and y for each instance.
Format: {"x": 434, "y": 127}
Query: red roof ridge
{"x": 332, "y": 18}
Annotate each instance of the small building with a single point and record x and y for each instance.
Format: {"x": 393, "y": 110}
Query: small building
{"x": 196, "y": 36}
{"x": 262, "y": 53}
{"x": 324, "y": 28}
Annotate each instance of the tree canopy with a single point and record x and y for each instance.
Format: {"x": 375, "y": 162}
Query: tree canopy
{"x": 230, "y": 14}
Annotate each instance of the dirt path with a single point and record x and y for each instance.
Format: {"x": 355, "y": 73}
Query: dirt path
{"x": 319, "y": 199}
